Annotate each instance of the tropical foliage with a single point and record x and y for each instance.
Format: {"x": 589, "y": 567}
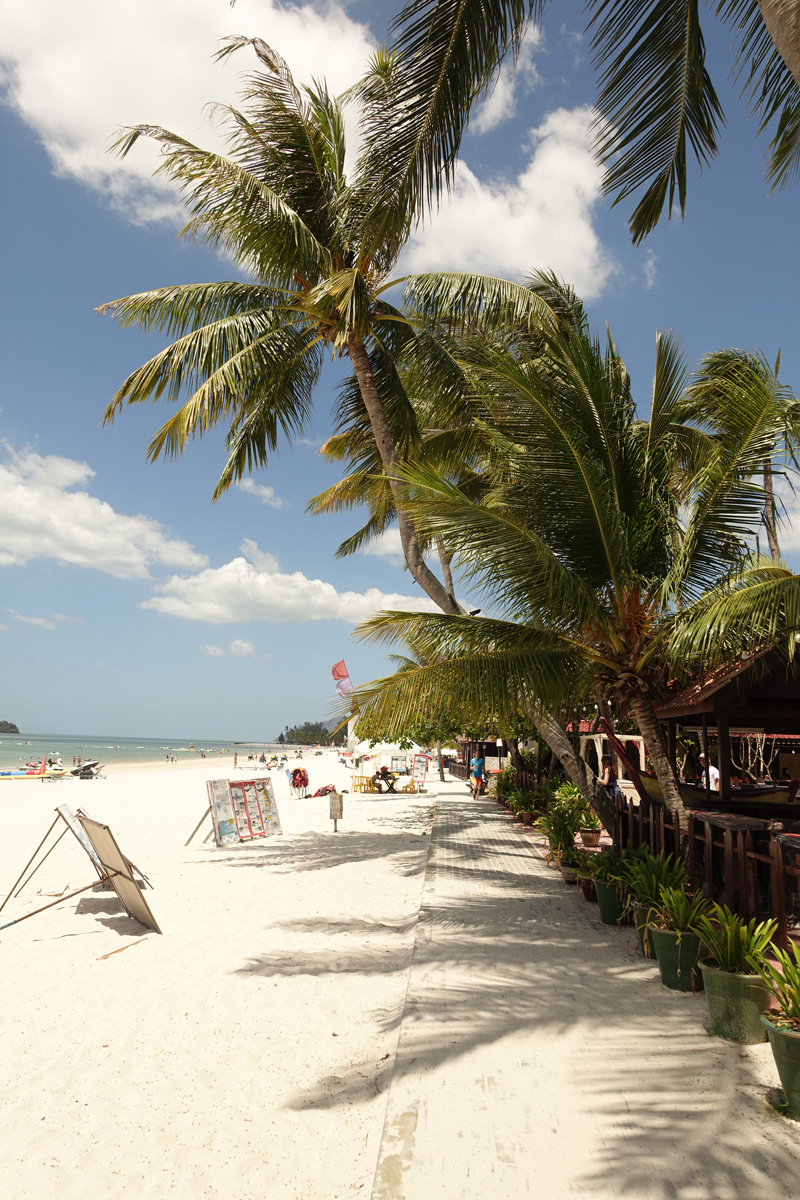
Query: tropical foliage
{"x": 734, "y": 943}
{"x": 614, "y": 550}
{"x": 657, "y": 105}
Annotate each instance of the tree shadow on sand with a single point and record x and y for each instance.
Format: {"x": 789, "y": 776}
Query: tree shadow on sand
{"x": 503, "y": 949}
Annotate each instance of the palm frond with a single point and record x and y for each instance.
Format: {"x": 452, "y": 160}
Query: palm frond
{"x": 417, "y": 96}
{"x": 773, "y": 90}
{"x": 656, "y": 102}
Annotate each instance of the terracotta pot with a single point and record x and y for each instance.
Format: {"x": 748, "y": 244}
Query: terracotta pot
{"x": 590, "y": 837}
{"x": 569, "y": 874}
{"x": 588, "y": 888}
{"x": 527, "y": 818}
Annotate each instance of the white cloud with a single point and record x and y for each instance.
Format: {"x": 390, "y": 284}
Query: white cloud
{"x": 76, "y": 72}
{"x": 42, "y": 622}
{"x": 4, "y": 629}
{"x": 42, "y": 517}
{"x": 257, "y": 590}
{"x": 540, "y": 220}
{"x": 501, "y": 103}
{"x": 261, "y": 492}
{"x": 388, "y": 546}
{"x": 237, "y": 649}
{"x": 650, "y": 269}
{"x": 240, "y": 649}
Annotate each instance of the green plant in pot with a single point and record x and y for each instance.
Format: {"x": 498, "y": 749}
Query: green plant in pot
{"x": 645, "y": 877}
{"x": 526, "y": 806}
{"x": 677, "y": 939}
{"x": 560, "y": 824}
{"x": 782, "y": 1023}
{"x": 585, "y": 862}
{"x": 736, "y": 993}
{"x": 590, "y": 828}
{"x": 609, "y": 870}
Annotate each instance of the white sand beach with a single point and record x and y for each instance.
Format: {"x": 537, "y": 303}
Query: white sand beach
{"x": 397, "y": 1011}
{"x": 244, "y": 1051}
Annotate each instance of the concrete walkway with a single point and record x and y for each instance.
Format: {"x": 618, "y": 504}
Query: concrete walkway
{"x": 539, "y": 1054}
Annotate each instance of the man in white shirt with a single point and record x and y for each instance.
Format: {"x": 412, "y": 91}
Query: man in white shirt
{"x": 712, "y": 774}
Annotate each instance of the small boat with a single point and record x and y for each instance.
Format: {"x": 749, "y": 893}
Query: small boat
{"x": 32, "y": 772}
{"x": 756, "y": 800}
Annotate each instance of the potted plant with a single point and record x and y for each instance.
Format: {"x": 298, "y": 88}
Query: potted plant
{"x": 585, "y": 876}
{"x": 736, "y": 993}
{"x": 590, "y": 828}
{"x": 609, "y": 870}
{"x": 782, "y": 1023}
{"x": 677, "y": 940}
{"x": 645, "y": 877}
{"x": 560, "y": 824}
{"x": 569, "y": 863}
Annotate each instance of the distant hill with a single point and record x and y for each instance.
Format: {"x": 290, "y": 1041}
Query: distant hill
{"x": 310, "y": 732}
{"x": 8, "y": 727}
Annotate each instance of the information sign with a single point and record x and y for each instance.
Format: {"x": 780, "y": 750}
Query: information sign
{"x": 243, "y": 809}
{"x": 337, "y": 805}
{"x": 420, "y": 769}
{"x": 219, "y": 800}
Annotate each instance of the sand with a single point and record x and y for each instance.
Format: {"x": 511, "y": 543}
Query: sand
{"x": 243, "y": 1053}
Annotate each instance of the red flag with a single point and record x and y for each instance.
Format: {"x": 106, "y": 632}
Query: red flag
{"x": 344, "y": 686}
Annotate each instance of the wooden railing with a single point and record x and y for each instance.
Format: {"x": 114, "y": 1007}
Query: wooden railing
{"x": 748, "y": 863}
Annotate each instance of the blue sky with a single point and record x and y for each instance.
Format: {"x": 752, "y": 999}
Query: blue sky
{"x": 240, "y": 643}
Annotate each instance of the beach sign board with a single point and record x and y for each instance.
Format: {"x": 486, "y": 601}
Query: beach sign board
{"x": 68, "y": 816}
{"x": 221, "y": 805}
{"x": 118, "y": 869}
{"x": 336, "y": 805}
{"x": 242, "y": 809}
{"x": 420, "y": 768}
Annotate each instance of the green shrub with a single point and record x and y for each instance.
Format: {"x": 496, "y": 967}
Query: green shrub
{"x": 784, "y": 985}
{"x": 680, "y": 913}
{"x": 733, "y": 943}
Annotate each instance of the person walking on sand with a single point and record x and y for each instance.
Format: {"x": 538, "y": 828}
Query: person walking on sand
{"x": 235, "y": 761}
{"x": 477, "y": 768}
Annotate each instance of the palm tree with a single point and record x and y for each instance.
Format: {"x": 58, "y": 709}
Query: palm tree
{"x": 614, "y": 549}
{"x": 656, "y": 102}
{"x": 319, "y": 251}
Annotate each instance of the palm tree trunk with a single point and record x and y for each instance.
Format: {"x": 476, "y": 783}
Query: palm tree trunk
{"x": 444, "y": 559}
{"x": 782, "y": 19}
{"x": 653, "y": 734}
{"x": 584, "y": 779}
{"x": 391, "y": 459}
{"x": 769, "y": 511}
{"x": 441, "y": 764}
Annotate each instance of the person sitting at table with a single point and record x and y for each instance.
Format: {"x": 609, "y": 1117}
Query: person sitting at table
{"x": 385, "y": 776}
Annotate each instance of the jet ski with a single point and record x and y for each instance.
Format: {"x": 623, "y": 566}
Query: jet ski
{"x": 87, "y": 770}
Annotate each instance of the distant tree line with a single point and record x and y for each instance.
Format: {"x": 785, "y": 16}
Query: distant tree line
{"x": 8, "y": 727}
{"x": 309, "y": 732}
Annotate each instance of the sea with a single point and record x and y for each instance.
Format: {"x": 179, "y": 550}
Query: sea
{"x": 16, "y": 749}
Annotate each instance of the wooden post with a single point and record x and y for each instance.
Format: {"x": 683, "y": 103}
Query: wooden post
{"x": 730, "y": 894}
{"x": 706, "y": 759}
{"x": 690, "y": 852}
{"x": 751, "y": 881}
{"x": 741, "y": 851}
{"x": 724, "y": 759}
{"x": 777, "y": 886}
{"x": 672, "y": 742}
{"x": 708, "y": 885}
{"x": 30, "y": 860}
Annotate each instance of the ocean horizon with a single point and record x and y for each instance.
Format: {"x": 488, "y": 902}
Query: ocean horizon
{"x": 20, "y": 748}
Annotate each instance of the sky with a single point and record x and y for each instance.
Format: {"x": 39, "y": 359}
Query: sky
{"x": 129, "y": 604}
